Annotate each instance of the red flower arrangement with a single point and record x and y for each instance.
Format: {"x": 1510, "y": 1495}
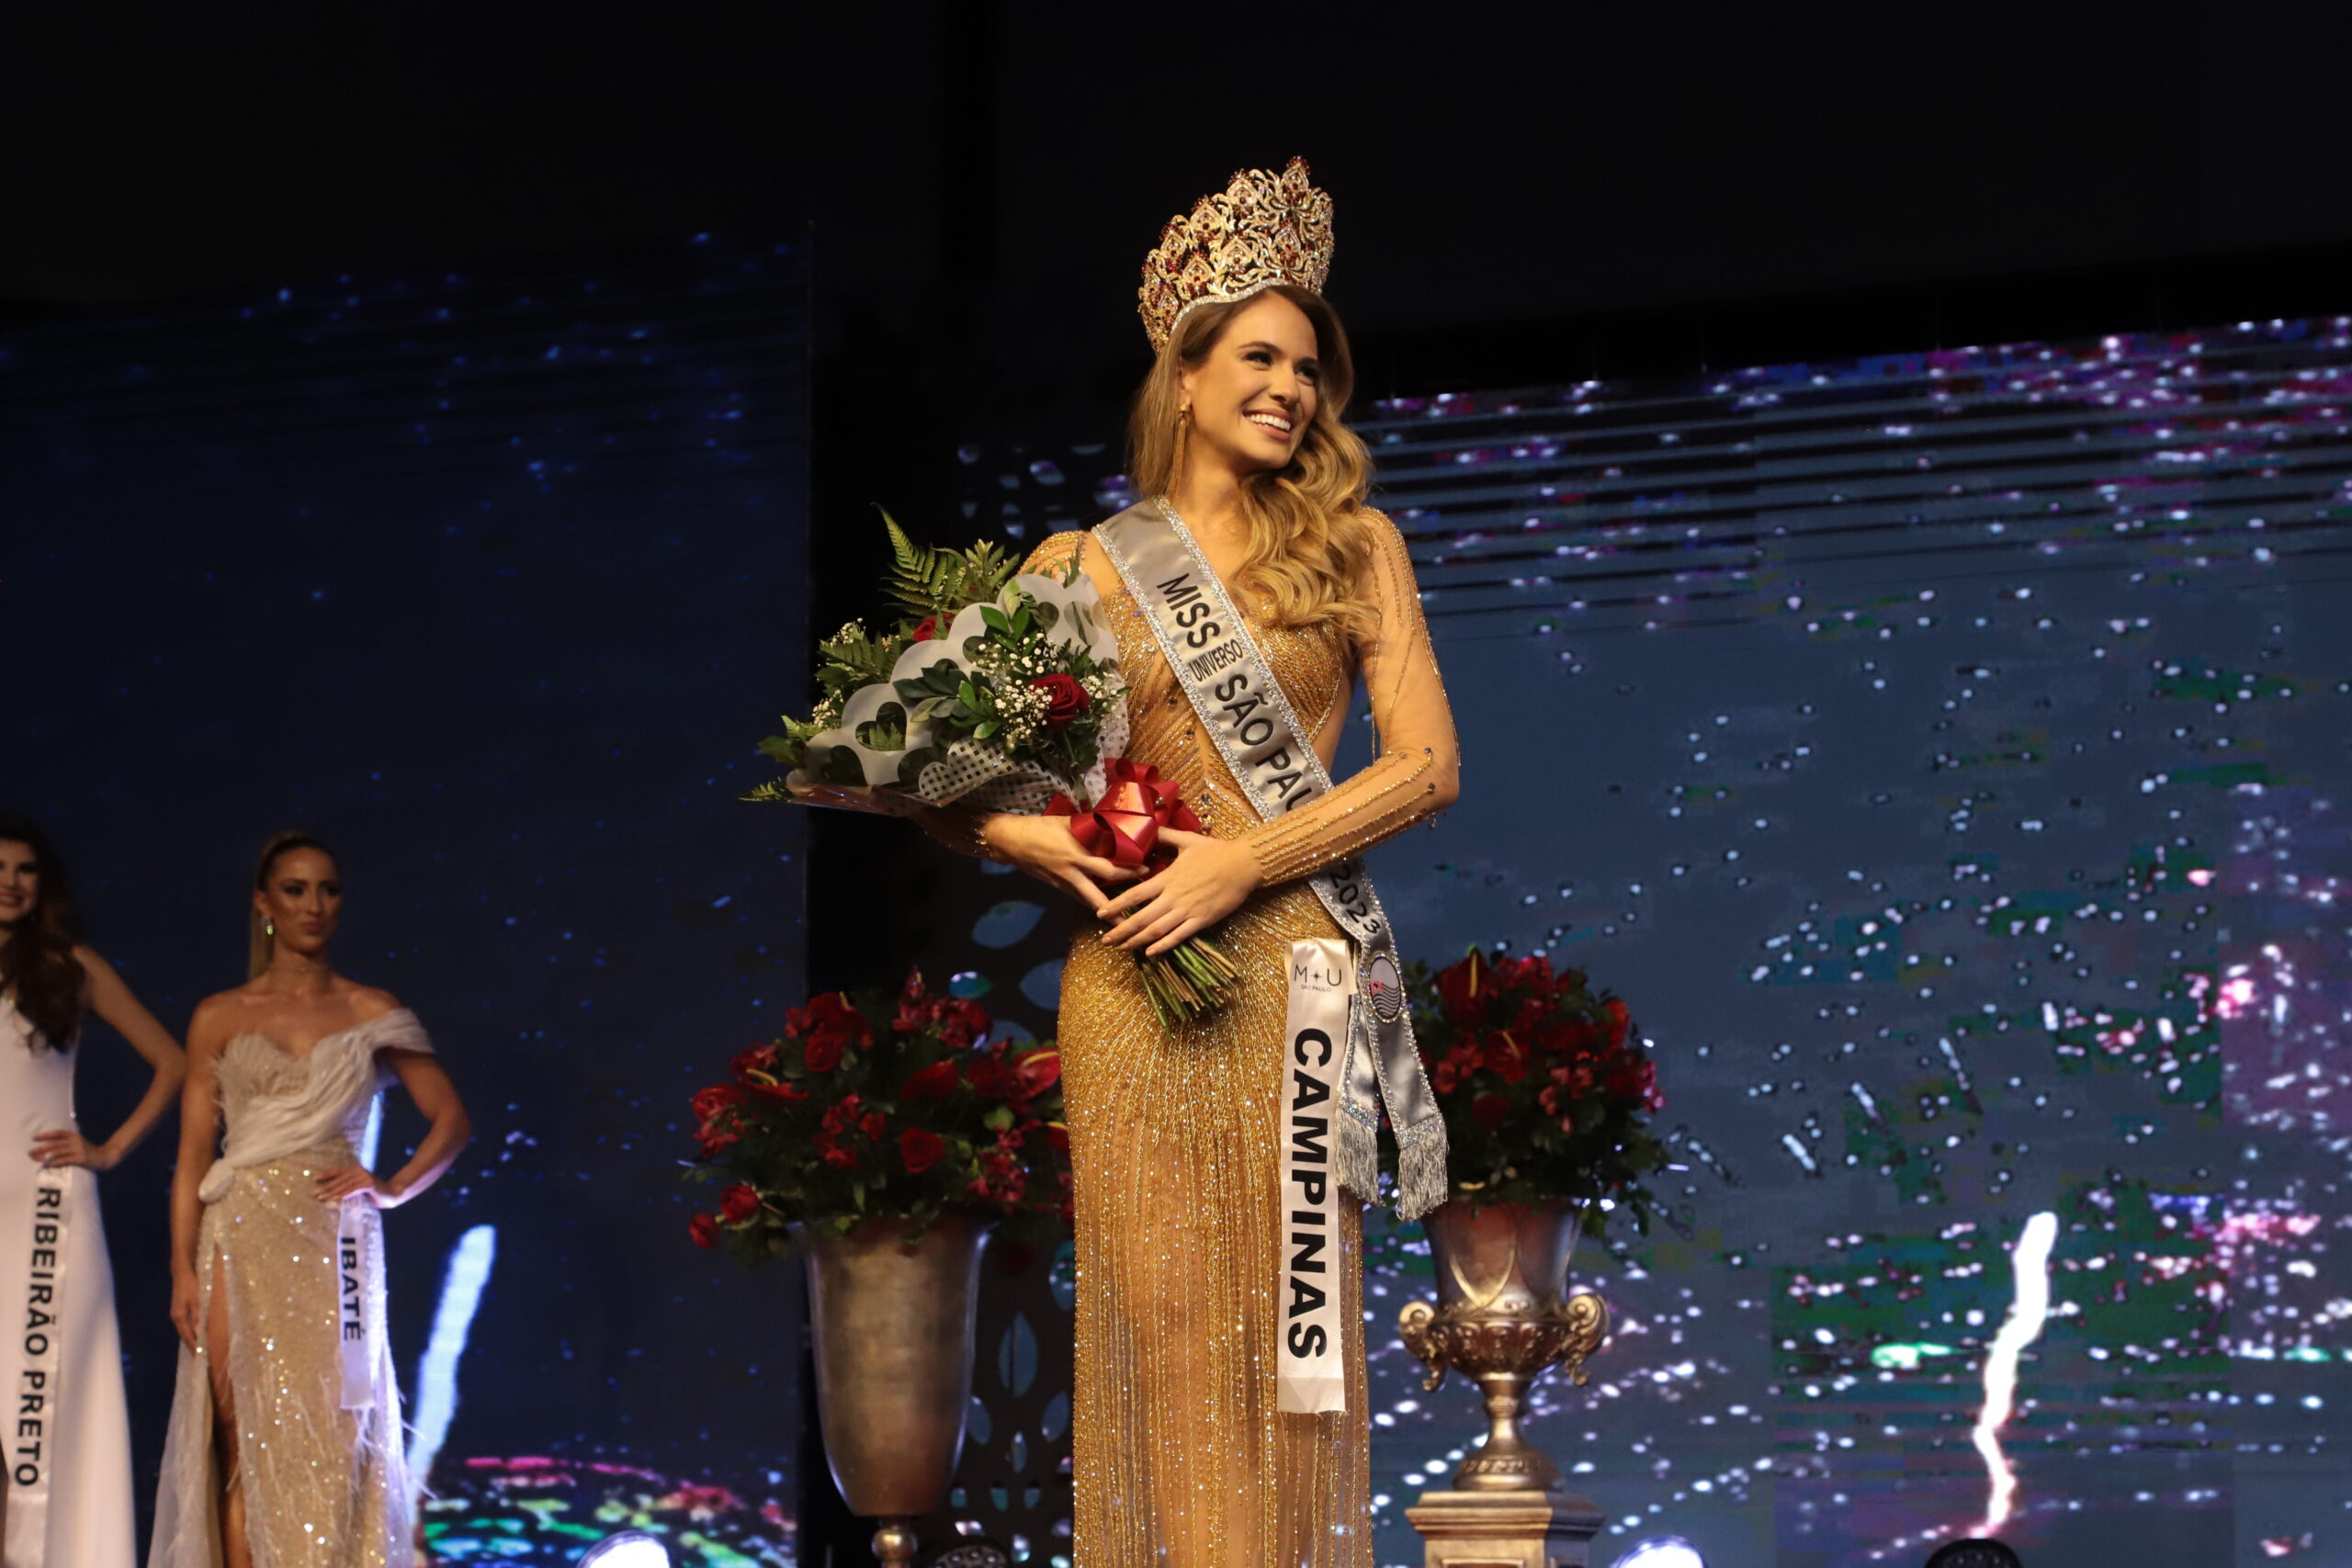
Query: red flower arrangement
{"x": 877, "y": 1107}
{"x": 1545, "y": 1086}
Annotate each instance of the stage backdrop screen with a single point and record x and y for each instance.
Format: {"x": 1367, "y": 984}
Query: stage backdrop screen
{"x": 486, "y": 579}
{"x": 1945, "y": 756}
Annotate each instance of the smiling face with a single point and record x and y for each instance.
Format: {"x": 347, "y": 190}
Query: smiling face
{"x": 19, "y": 882}
{"x": 1255, "y": 391}
{"x": 302, "y": 897}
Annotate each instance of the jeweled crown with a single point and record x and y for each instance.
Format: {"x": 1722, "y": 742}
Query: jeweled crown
{"x": 1261, "y": 230}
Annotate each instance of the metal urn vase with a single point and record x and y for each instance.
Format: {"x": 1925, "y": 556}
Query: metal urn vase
{"x": 893, "y": 1325}
{"x": 1500, "y": 1319}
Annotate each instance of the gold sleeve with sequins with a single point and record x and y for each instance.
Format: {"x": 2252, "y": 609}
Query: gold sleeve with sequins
{"x": 1418, "y": 772}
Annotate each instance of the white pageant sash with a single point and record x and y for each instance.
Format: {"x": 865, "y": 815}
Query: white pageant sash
{"x": 1210, "y": 652}
{"x": 32, "y": 1431}
{"x": 353, "y": 1352}
{"x": 1311, "y": 1378}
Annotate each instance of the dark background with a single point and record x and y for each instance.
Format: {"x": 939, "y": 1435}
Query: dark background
{"x": 1526, "y": 194}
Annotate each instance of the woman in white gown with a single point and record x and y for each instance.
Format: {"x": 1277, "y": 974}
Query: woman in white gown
{"x": 285, "y": 1442}
{"x": 66, "y": 1493}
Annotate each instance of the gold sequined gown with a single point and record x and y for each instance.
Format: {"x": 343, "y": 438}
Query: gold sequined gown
{"x": 1182, "y": 1459}
{"x": 325, "y": 1487}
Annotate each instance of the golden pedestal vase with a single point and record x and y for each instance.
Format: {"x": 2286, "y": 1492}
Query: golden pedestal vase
{"x": 1503, "y": 1315}
{"x": 894, "y": 1329}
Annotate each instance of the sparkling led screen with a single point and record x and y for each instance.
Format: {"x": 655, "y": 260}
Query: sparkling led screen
{"x": 1946, "y": 757}
{"x": 477, "y": 576}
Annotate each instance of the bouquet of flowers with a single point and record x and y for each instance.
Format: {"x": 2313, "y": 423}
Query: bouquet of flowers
{"x": 1545, "y": 1086}
{"x": 875, "y": 1107}
{"x": 998, "y": 689}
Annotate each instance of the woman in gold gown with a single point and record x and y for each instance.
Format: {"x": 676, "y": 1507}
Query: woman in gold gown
{"x": 284, "y": 1448}
{"x": 1182, "y": 1458}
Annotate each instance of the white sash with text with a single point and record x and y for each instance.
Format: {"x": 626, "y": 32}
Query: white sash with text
{"x": 351, "y": 1310}
{"x": 33, "y": 1433}
{"x": 1312, "y": 1375}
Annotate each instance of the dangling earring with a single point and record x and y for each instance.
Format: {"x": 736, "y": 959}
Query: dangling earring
{"x": 269, "y": 929}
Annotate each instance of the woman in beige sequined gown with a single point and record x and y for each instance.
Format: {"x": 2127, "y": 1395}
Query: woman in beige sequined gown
{"x": 1182, "y": 1460}
{"x": 284, "y": 1448}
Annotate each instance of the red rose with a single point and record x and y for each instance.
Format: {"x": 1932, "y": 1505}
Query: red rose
{"x": 825, "y": 1052}
{"x": 1491, "y": 1110}
{"x": 709, "y": 1102}
{"x": 1065, "y": 700}
{"x": 1039, "y": 1070}
{"x": 1575, "y": 1037}
{"x": 739, "y": 1204}
{"x": 936, "y": 1081}
{"x": 927, "y": 628}
{"x": 704, "y": 1229}
{"x": 921, "y": 1149}
{"x": 1619, "y": 1023}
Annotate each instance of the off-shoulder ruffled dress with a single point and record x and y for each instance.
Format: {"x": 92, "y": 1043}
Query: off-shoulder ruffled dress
{"x": 1180, "y": 1458}
{"x": 319, "y": 1450}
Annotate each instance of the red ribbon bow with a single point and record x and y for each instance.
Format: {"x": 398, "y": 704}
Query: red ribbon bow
{"x": 1122, "y": 827}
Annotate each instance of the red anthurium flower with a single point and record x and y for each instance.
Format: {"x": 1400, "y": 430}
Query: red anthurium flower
{"x": 709, "y": 1102}
{"x": 1039, "y": 1070}
{"x": 936, "y": 1081}
{"x": 990, "y": 1077}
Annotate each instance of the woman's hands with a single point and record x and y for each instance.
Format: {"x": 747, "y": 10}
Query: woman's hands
{"x": 356, "y": 1181}
{"x": 1207, "y": 881}
{"x": 184, "y": 1307}
{"x": 63, "y": 1146}
{"x": 1048, "y": 851}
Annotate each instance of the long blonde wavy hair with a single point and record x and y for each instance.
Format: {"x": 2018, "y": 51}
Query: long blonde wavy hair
{"x": 1309, "y": 556}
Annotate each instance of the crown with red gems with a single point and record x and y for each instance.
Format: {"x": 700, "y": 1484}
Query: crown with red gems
{"x": 1261, "y": 230}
